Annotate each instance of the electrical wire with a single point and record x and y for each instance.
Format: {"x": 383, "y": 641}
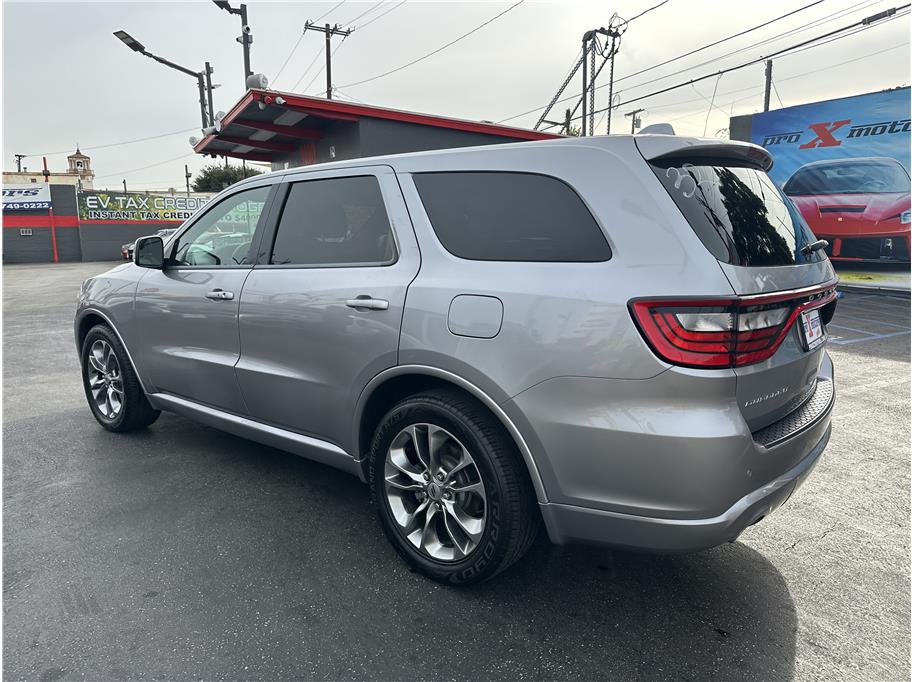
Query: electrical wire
{"x": 327, "y": 13}
{"x": 119, "y": 144}
{"x": 141, "y": 168}
{"x": 288, "y": 58}
{"x": 647, "y": 11}
{"x": 380, "y": 16}
{"x": 372, "y": 8}
{"x": 323, "y": 68}
{"x": 309, "y": 67}
{"x": 439, "y": 49}
{"x": 685, "y": 54}
{"x": 898, "y": 12}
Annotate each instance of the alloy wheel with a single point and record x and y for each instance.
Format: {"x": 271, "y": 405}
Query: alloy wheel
{"x": 435, "y": 493}
{"x": 105, "y": 379}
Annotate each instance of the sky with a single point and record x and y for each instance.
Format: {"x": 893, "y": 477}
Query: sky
{"x": 68, "y": 80}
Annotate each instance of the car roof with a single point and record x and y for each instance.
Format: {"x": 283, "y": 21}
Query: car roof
{"x": 850, "y": 161}
{"x": 650, "y": 145}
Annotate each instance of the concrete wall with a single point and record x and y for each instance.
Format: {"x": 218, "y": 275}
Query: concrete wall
{"x": 380, "y": 136}
{"x": 75, "y": 241}
{"x": 37, "y": 247}
{"x": 103, "y": 242}
{"x": 739, "y": 127}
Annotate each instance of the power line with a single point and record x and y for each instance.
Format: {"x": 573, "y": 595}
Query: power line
{"x": 647, "y": 11}
{"x": 327, "y": 13}
{"x": 288, "y": 58}
{"x": 323, "y": 68}
{"x": 372, "y": 8}
{"x": 686, "y": 54}
{"x": 380, "y": 16}
{"x": 309, "y": 67}
{"x": 439, "y": 49}
{"x": 868, "y": 22}
{"x": 141, "y": 168}
{"x": 118, "y": 144}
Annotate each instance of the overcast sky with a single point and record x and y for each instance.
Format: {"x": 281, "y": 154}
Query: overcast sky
{"x": 67, "y": 79}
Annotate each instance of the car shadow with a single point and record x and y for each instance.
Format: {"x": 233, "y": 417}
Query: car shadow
{"x": 277, "y": 566}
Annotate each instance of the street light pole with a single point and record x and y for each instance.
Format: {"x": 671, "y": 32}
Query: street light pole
{"x": 200, "y": 77}
{"x": 246, "y": 37}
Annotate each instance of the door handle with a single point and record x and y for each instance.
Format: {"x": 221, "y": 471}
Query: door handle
{"x": 367, "y": 303}
{"x": 220, "y": 295}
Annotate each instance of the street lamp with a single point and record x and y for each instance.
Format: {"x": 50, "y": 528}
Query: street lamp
{"x": 246, "y": 37}
{"x": 202, "y": 77}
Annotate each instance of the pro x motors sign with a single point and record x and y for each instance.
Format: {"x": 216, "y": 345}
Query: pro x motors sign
{"x": 30, "y": 197}
{"x": 875, "y": 125}
{"x": 135, "y": 207}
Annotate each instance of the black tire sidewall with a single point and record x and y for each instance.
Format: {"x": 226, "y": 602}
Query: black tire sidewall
{"x": 487, "y": 557}
{"x": 104, "y": 334}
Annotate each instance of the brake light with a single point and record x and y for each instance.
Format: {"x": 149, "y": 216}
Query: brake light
{"x": 723, "y": 332}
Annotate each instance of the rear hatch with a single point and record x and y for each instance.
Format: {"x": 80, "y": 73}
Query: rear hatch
{"x": 785, "y": 292}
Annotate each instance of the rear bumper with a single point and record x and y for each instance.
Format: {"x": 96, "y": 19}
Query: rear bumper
{"x": 567, "y": 523}
{"x": 666, "y": 464}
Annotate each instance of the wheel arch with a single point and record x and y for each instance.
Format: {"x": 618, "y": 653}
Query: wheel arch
{"x": 394, "y": 384}
{"x": 91, "y": 317}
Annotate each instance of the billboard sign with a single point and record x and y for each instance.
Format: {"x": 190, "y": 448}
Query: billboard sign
{"x": 31, "y": 197}
{"x": 136, "y": 207}
{"x": 845, "y": 164}
{"x": 873, "y": 125}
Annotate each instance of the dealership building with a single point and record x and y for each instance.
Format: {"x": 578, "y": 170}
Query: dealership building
{"x": 289, "y": 130}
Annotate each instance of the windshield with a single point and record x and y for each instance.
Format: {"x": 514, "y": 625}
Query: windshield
{"x": 738, "y": 213}
{"x": 855, "y": 177}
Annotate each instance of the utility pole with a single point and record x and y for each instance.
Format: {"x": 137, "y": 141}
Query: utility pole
{"x": 187, "y": 175}
{"x": 19, "y": 158}
{"x": 330, "y": 31}
{"x": 769, "y": 83}
{"x": 209, "y": 71}
{"x": 124, "y": 181}
{"x": 634, "y": 119}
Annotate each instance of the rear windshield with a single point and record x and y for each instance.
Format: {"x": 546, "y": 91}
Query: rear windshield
{"x": 855, "y": 177}
{"x": 738, "y": 212}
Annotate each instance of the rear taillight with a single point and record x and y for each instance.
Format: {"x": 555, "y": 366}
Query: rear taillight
{"x": 723, "y": 332}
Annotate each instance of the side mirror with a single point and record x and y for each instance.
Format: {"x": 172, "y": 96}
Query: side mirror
{"x": 149, "y": 252}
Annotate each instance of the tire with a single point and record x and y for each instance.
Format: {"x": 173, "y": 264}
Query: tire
{"x": 126, "y": 407}
{"x": 505, "y": 502}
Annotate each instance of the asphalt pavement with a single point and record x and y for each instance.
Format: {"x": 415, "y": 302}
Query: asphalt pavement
{"x": 181, "y": 552}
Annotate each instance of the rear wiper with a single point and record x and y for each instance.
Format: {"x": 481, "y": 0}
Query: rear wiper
{"x": 808, "y": 249}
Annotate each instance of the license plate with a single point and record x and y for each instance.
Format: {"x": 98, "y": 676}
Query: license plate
{"x": 812, "y": 329}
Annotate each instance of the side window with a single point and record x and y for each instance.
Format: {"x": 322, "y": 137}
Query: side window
{"x": 496, "y": 216}
{"x": 337, "y": 221}
{"x": 222, "y": 236}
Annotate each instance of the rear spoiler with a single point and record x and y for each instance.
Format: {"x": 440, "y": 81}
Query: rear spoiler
{"x": 668, "y": 148}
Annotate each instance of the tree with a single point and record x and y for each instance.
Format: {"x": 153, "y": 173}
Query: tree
{"x": 216, "y": 177}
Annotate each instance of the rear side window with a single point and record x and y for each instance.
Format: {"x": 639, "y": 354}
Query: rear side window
{"x": 496, "y": 216}
{"x": 738, "y": 213}
{"x": 337, "y": 221}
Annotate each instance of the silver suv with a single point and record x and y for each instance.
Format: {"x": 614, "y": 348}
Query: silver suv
{"x": 621, "y": 338}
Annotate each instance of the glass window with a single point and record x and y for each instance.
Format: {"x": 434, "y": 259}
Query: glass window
{"x": 222, "y": 236}
{"x": 496, "y": 216}
{"x": 738, "y": 213}
{"x": 337, "y": 221}
{"x": 852, "y": 176}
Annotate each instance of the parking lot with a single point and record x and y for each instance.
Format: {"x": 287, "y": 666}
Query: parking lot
{"x": 181, "y": 552}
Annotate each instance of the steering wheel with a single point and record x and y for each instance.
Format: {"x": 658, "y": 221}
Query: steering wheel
{"x": 241, "y": 251}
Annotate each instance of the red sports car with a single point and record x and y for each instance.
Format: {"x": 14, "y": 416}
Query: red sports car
{"x": 860, "y": 205}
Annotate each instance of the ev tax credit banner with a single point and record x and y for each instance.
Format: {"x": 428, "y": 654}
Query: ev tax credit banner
{"x": 136, "y": 207}
{"x": 871, "y": 125}
{"x": 29, "y": 197}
